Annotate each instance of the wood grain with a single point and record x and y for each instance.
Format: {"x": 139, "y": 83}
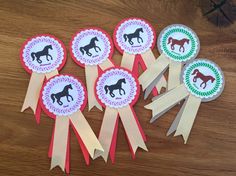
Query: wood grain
{"x": 23, "y": 144}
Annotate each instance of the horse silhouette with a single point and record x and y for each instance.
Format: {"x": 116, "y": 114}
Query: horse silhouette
{"x": 204, "y": 78}
{"x": 91, "y": 45}
{"x": 63, "y": 93}
{"x": 178, "y": 42}
{"x": 116, "y": 86}
{"x": 44, "y": 52}
{"x": 135, "y": 34}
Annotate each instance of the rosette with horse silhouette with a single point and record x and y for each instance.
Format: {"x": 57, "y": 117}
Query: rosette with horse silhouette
{"x": 63, "y": 98}
{"x": 117, "y": 89}
{"x": 178, "y": 44}
{"x": 135, "y": 38}
{"x": 92, "y": 48}
{"x": 202, "y": 81}
{"x": 41, "y": 56}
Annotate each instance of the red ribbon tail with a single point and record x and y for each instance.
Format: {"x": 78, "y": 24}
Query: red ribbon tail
{"x": 82, "y": 146}
{"x": 135, "y": 66}
{"x": 68, "y": 155}
{"x": 38, "y": 113}
{"x": 154, "y": 92}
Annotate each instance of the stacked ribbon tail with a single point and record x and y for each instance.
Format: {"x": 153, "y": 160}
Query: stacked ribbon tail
{"x": 109, "y": 128}
{"x": 91, "y": 73}
{"x": 146, "y": 59}
{"x": 33, "y": 91}
{"x": 59, "y": 147}
{"x": 155, "y": 72}
{"x": 184, "y": 120}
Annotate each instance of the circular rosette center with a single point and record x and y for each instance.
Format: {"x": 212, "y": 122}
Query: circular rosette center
{"x": 63, "y": 95}
{"x": 134, "y": 36}
{"x": 178, "y": 42}
{"x": 91, "y": 47}
{"x": 43, "y": 54}
{"x": 116, "y": 88}
{"x": 204, "y": 79}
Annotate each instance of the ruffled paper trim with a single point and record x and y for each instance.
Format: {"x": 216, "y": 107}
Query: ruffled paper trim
{"x": 178, "y": 26}
{"x": 205, "y": 96}
{"x": 91, "y": 61}
{"x": 45, "y": 69}
{"x": 134, "y": 51}
{"x": 129, "y": 99}
{"x": 54, "y": 110}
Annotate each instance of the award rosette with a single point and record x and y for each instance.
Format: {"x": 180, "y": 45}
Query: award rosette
{"x": 202, "y": 81}
{"x": 117, "y": 90}
{"x": 63, "y": 97}
{"x": 92, "y": 48}
{"x": 41, "y": 56}
{"x": 178, "y": 44}
{"x": 135, "y": 38}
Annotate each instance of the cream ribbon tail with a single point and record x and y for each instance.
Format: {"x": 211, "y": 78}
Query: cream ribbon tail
{"x": 131, "y": 128}
{"x": 60, "y": 142}
{"x": 34, "y": 87}
{"x": 33, "y": 91}
{"x": 188, "y": 116}
{"x": 106, "y": 132}
{"x": 154, "y": 72}
{"x": 106, "y": 64}
{"x": 86, "y": 133}
{"x": 175, "y": 69}
{"x": 149, "y": 59}
{"x": 127, "y": 61}
{"x": 165, "y": 102}
{"x": 91, "y": 72}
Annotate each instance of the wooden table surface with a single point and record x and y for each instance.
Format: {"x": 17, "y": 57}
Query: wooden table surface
{"x": 211, "y": 148}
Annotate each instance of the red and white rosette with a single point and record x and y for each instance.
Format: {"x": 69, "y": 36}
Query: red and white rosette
{"x": 135, "y": 38}
{"x": 41, "y": 56}
{"x": 117, "y": 90}
{"x": 63, "y": 98}
{"x": 92, "y": 48}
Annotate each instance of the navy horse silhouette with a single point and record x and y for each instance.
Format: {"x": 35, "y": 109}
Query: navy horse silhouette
{"x": 91, "y": 45}
{"x": 136, "y": 34}
{"x": 44, "y": 52}
{"x": 116, "y": 86}
{"x": 63, "y": 93}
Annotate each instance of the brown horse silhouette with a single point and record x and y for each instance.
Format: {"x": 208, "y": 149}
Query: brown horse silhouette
{"x": 204, "y": 78}
{"x": 177, "y": 42}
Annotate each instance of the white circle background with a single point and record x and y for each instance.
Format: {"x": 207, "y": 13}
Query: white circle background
{"x": 206, "y": 71}
{"x": 37, "y": 44}
{"x": 111, "y": 77}
{"x": 130, "y": 26}
{"x": 56, "y": 85}
{"x": 178, "y": 36}
{"x": 83, "y": 38}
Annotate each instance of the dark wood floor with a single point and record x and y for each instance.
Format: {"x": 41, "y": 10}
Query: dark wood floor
{"x": 211, "y": 147}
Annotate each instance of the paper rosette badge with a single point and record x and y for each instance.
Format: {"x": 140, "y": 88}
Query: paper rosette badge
{"x": 63, "y": 97}
{"x": 135, "y": 38}
{"x": 202, "y": 81}
{"x": 117, "y": 90}
{"x": 41, "y": 56}
{"x": 92, "y": 48}
{"x": 178, "y": 44}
